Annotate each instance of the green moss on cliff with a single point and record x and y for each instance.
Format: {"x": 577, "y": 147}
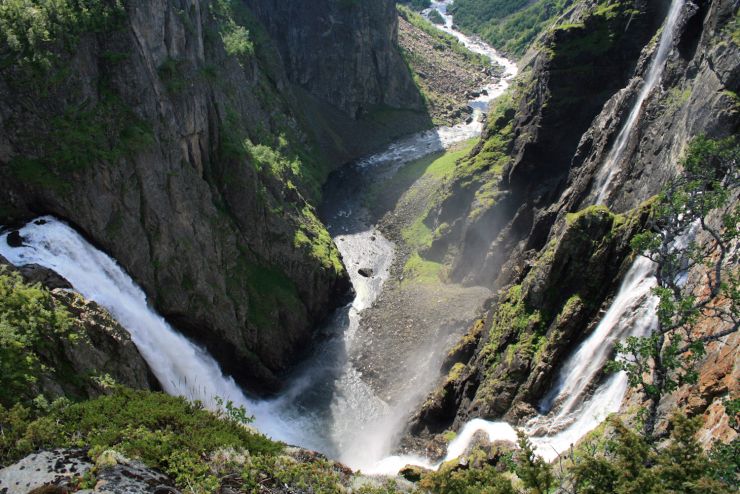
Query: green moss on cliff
{"x": 30, "y": 323}
{"x": 33, "y": 31}
{"x": 78, "y": 138}
{"x": 515, "y": 327}
{"x": 314, "y": 236}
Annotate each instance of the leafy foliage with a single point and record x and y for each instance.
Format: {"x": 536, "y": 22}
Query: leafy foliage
{"x": 31, "y": 30}
{"x": 658, "y": 364}
{"x": 510, "y": 25}
{"x": 165, "y": 432}
{"x": 233, "y": 28}
{"x": 29, "y": 321}
{"x": 630, "y": 464}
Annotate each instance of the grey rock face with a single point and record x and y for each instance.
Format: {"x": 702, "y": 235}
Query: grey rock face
{"x": 57, "y": 467}
{"x": 210, "y": 232}
{"x": 507, "y": 244}
{"x": 342, "y": 51}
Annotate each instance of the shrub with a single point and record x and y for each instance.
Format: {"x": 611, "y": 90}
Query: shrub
{"x": 29, "y": 321}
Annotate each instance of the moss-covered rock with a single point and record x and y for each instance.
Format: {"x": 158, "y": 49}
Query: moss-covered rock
{"x": 535, "y": 322}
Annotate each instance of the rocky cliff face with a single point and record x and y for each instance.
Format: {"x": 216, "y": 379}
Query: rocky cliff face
{"x": 100, "y": 354}
{"x": 344, "y": 52}
{"x": 181, "y": 137}
{"x": 517, "y": 229}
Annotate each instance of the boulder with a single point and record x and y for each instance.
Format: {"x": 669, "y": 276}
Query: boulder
{"x": 366, "y": 272}
{"x": 59, "y": 468}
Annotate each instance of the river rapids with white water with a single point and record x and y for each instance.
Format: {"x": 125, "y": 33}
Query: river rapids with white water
{"x": 328, "y": 406}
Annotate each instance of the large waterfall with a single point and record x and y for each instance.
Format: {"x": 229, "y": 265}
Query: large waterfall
{"x": 569, "y": 411}
{"x": 181, "y": 367}
{"x": 328, "y": 406}
{"x": 610, "y": 168}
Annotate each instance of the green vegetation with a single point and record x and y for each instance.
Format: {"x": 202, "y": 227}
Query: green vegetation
{"x": 168, "y": 433}
{"x": 509, "y": 25}
{"x": 660, "y": 363}
{"x": 416, "y": 4}
{"x": 482, "y": 169}
{"x": 78, "y": 138}
{"x": 314, "y": 236}
{"x": 430, "y": 172}
{"x": 430, "y": 53}
{"x": 30, "y": 322}
{"x": 627, "y": 462}
{"x": 170, "y": 72}
{"x": 516, "y": 327}
{"x": 268, "y": 288}
{"x": 32, "y": 32}
{"x": 233, "y": 21}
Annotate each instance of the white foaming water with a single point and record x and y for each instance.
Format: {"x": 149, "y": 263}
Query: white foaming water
{"x": 610, "y": 168}
{"x": 632, "y": 313}
{"x": 621, "y": 319}
{"x": 180, "y": 366}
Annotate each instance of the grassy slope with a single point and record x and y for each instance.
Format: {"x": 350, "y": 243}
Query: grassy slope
{"x": 509, "y": 25}
{"x": 443, "y": 69}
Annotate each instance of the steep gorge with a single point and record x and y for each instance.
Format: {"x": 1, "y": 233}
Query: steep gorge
{"x": 190, "y": 139}
{"x": 511, "y": 220}
{"x": 191, "y": 144}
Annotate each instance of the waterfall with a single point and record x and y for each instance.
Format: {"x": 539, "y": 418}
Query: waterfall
{"x": 621, "y": 319}
{"x": 610, "y": 168}
{"x": 572, "y": 413}
{"x": 182, "y": 368}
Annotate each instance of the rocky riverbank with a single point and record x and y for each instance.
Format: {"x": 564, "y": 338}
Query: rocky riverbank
{"x": 447, "y": 73}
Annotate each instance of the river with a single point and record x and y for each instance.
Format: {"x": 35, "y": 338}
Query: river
{"x": 329, "y": 405}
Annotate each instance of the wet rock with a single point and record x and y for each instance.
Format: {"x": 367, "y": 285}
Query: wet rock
{"x": 14, "y": 239}
{"x": 33, "y": 273}
{"x": 412, "y": 473}
{"x": 482, "y": 451}
{"x": 157, "y": 210}
{"x": 366, "y": 272}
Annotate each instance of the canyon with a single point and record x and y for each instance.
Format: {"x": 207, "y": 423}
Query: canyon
{"x": 378, "y": 268}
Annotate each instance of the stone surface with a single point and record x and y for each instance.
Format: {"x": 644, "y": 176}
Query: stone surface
{"x": 207, "y": 232}
{"x": 117, "y": 474}
{"x": 557, "y": 150}
{"x": 57, "y": 467}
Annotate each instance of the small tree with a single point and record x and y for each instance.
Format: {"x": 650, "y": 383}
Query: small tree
{"x": 702, "y": 199}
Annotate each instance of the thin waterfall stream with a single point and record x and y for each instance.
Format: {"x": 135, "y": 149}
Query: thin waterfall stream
{"x": 328, "y": 406}
{"x": 611, "y": 166}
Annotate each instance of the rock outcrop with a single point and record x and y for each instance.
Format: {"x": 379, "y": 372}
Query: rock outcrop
{"x": 507, "y": 222}
{"x": 189, "y": 139}
{"x": 100, "y": 353}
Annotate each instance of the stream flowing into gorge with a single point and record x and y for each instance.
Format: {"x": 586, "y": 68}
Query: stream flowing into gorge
{"x": 328, "y": 406}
